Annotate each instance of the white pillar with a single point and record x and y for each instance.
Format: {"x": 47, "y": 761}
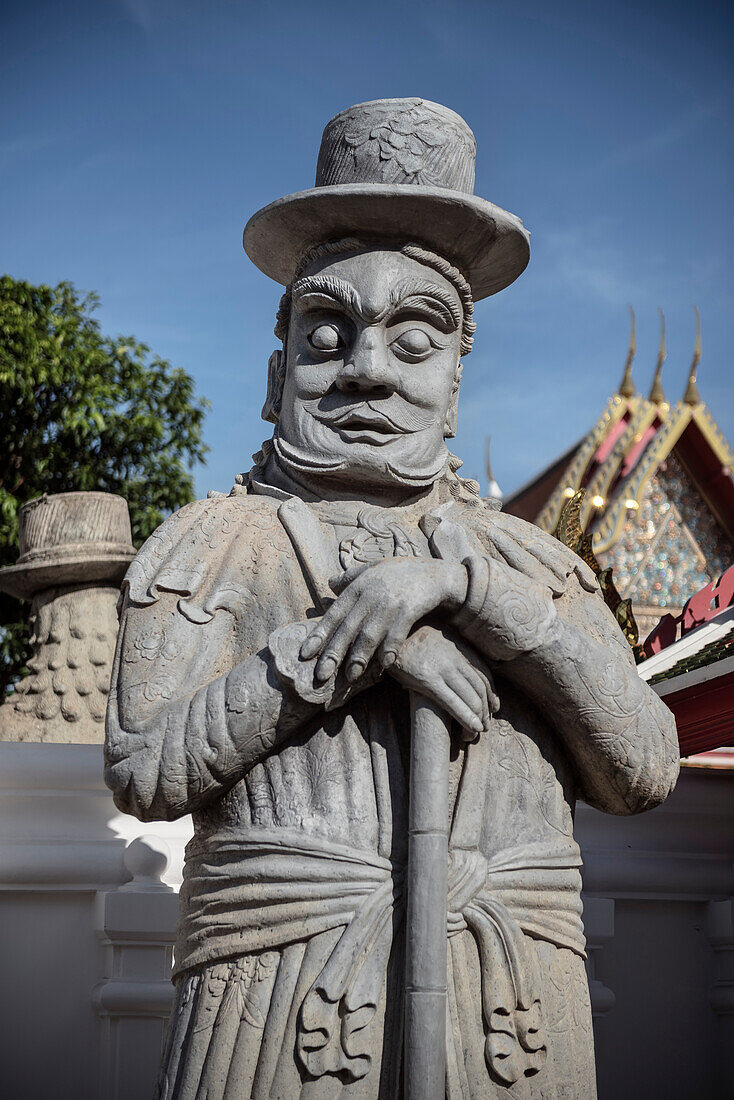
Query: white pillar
{"x": 66, "y": 856}
{"x": 136, "y": 924}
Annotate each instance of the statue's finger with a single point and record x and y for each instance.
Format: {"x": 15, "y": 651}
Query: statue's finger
{"x": 393, "y": 642}
{"x": 482, "y": 685}
{"x": 457, "y": 708}
{"x": 336, "y": 647}
{"x": 470, "y": 693}
{"x": 326, "y": 626}
{"x": 482, "y": 669}
{"x": 366, "y": 642}
{"x": 340, "y": 581}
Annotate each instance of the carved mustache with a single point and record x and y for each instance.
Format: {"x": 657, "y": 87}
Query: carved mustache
{"x": 393, "y": 410}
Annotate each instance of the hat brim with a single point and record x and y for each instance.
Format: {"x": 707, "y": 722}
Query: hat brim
{"x": 23, "y": 581}
{"x": 489, "y": 246}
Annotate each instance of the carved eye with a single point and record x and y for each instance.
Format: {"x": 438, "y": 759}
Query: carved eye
{"x": 326, "y": 339}
{"x": 412, "y": 345}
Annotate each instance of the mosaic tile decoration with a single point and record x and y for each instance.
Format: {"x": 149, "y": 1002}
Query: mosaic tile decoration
{"x": 672, "y": 545}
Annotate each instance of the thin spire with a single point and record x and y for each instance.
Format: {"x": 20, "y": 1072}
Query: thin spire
{"x": 493, "y": 489}
{"x": 692, "y": 396}
{"x": 627, "y": 386}
{"x": 657, "y": 394}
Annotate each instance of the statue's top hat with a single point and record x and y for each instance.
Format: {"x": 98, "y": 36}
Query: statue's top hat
{"x": 70, "y": 538}
{"x": 394, "y": 169}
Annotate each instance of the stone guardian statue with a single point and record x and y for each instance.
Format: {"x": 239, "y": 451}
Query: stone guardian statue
{"x": 271, "y": 640}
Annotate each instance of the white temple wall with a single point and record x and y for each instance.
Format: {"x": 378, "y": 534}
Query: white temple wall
{"x": 85, "y": 946}
{"x": 667, "y": 878}
{"x": 83, "y": 1012}
{"x": 659, "y": 1040}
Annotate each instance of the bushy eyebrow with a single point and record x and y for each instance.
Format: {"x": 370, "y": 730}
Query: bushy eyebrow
{"x": 430, "y": 301}
{"x": 326, "y": 291}
{"x": 411, "y": 297}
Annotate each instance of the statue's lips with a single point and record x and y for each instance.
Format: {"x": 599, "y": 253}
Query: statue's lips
{"x": 390, "y": 418}
{"x": 362, "y": 423}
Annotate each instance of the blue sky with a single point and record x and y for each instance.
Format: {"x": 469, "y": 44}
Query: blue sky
{"x": 139, "y": 135}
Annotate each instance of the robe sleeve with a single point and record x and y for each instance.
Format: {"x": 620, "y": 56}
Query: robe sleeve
{"x": 179, "y": 735}
{"x": 189, "y": 712}
{"x": 535, "y": 610}
{"x": 620, "y": 735}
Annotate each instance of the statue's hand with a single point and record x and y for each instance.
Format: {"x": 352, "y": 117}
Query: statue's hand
{"x": 451, "y": 674}
{"x": 285, "y": 644}
{"x": 377, "y": 609}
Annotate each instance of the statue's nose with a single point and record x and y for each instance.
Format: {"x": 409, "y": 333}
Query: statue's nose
{"x": 368, "y": 368}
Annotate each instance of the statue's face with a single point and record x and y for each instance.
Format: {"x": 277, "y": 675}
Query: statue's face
{"x": 372, "y": 355}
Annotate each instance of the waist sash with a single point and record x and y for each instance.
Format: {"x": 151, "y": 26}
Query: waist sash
{"x": 249, "y": 890}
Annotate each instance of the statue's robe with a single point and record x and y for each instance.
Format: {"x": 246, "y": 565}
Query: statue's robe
{"x": 289, "y": 959}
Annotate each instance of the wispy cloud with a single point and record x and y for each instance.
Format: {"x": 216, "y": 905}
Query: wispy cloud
{"x": 674, "y": 132}
{"x": 585, "y": 260}
{"x": 147, "y": 14}
{"x": 15, "y": 151}
{"x": 141, "y": 13}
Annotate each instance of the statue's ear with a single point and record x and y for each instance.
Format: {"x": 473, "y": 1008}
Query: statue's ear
{"x": 274, "y": 395}
{"x": 452, "y": 413}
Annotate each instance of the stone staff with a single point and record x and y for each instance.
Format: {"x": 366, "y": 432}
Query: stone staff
{"x": 425, "y": 924}
{"x": 424, "y": 1067}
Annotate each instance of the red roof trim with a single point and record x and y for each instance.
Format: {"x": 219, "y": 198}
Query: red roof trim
{"x": 704, "y": 714}
{"x": 605, "y": 447}
{"x": 635, "y": 452}
{"x": 702, "y": 607}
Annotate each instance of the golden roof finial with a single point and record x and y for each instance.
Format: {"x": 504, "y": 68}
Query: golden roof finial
{"x": 627, "y": 386}
{"x": 657, "y": 394}
{"x": 692, "y": 396}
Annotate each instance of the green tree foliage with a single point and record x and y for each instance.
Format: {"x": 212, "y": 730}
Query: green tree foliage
{"x": 79, "y": 410}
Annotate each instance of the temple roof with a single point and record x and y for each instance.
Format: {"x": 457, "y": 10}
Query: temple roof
{"x": 712, "y": 643}
{"x": 615, "y": 461}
